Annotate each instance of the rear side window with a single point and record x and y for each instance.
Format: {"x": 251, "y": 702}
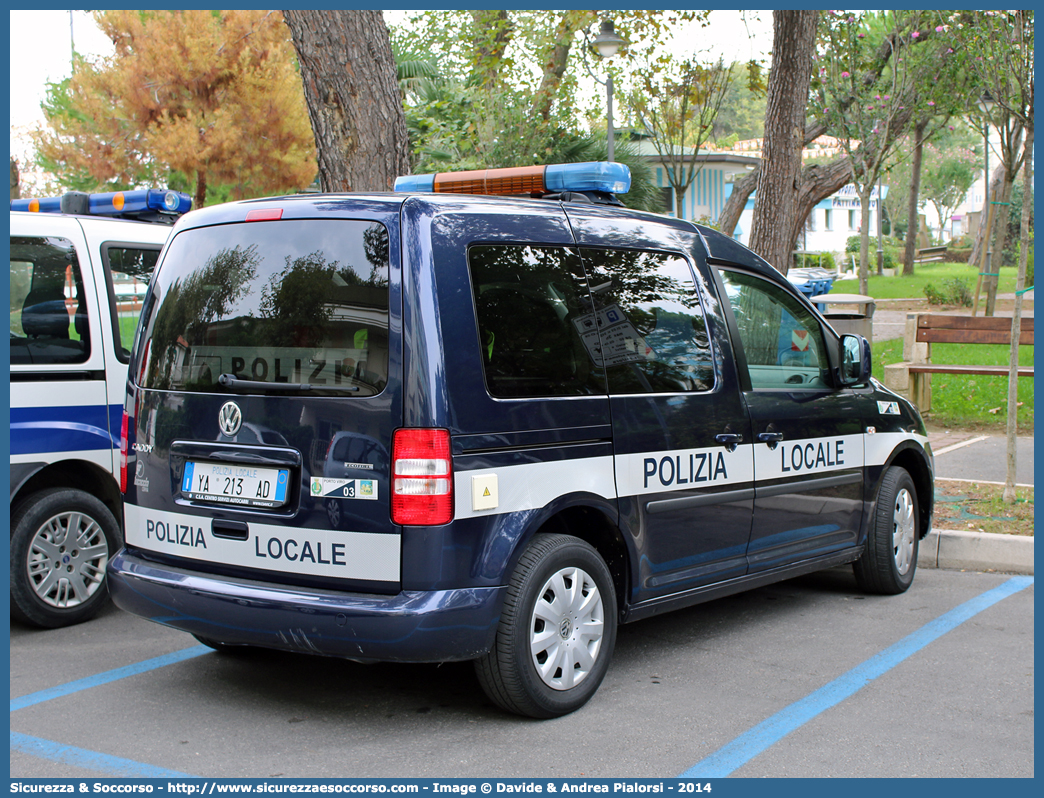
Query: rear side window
{"x": 49, "y": 323}
{"x": 532, "y": 306}
{"x": 654, "y": 336}
{"x": 287, "y": 303}
{"x": 130, "y": 270}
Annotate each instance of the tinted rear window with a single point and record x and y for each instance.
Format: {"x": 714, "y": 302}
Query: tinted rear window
{"x": 273, "y": 302}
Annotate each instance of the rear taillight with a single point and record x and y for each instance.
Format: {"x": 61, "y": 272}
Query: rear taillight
{"x": 422, "y": 477}
{"x": 123, "y": 451}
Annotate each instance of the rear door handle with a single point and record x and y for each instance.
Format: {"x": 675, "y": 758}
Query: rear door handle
{"x": 730, "y": 440}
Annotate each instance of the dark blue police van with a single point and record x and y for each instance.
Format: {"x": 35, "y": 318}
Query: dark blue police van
{"x": 435, "y": 425}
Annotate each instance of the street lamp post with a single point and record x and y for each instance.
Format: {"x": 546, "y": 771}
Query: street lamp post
{"x": 880, "y": 217}
{"x": 986, "y": 104}
{"x": 608, "y": 44}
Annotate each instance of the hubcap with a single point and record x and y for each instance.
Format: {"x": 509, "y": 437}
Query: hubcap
{"x": 904, "y": 528}
{"x": 566, "y": 628}
{"x": 67, "y": 558}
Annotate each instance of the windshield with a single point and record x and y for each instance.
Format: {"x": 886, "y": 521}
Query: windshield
{"x": 289, "y": 306}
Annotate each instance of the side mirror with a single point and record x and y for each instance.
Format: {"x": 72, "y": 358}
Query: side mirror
{"x": 856, "y": 362}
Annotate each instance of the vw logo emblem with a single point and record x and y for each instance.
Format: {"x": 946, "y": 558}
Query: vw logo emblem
{"x": 230, "y": 419}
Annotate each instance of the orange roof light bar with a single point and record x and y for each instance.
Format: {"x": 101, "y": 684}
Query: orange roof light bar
{"x": 508, "y": 181}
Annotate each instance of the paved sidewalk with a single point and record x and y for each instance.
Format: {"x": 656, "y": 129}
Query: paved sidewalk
{"x": 981, "y": 458}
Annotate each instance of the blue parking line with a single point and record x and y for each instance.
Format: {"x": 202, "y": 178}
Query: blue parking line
{"x": 107, "y": 676}
{"x": 90, "y": 760}
{"x": 751, "y": 743}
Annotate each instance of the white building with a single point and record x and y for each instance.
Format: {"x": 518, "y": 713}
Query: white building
{"x": 830, "y": 224}
{"x": 705, "y": 198}
{"x": 828, "y": 227}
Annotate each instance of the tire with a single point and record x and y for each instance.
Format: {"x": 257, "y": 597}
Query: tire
{"x": 560, "y": 610}
{"x": 61, "y": 541}
{"x": 889, "y": 562}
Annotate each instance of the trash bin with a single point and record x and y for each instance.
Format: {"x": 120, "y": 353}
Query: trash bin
{"x": 848, "y": 313}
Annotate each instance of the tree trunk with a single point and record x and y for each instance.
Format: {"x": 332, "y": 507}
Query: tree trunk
{"x": 493, "y": 32}
{"x": 1001, "y": 219}
{"x": 864, "y": 239}
{"x": 816, "y": 184}
{"x": 993, "y": 189}
{"x": 1016, "y": 318}
{"x": 16, "y": 190}
{"x": 915, "y": 191}
{"x": 793, "y": 45}
{"x": 353, "y": 98}
{"x": 737, "y": 201}
{"x": 557, "y": 59}
{"x": 200, "y": 198}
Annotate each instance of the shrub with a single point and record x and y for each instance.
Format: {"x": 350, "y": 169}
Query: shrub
{"x": 935, "y": 297}
{"x": 954, "y": 291}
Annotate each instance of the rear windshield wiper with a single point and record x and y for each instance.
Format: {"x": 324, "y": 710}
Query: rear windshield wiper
{"x": 234, "y": 383}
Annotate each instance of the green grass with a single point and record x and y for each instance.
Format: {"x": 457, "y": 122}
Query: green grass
{"x": 966, "y": 401}
{"x": 127, "y": 326}
{"x": 912, "y": 287}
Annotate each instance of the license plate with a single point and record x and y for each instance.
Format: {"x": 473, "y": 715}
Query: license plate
{"x": 244, "y": 485}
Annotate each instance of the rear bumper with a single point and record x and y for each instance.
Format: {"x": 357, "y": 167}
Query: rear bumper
{"x": 412, "y": 626}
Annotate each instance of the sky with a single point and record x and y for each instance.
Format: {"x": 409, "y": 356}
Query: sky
{"x": 41, "y": 53}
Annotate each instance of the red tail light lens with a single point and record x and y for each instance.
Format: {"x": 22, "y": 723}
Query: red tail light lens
{"x": 123, "y": 451}
{"x": 422, "y": 477}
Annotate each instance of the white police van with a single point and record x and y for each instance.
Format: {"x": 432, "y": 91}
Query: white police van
{"x": 79, "y": 270}
{"x": 497, "y": 428}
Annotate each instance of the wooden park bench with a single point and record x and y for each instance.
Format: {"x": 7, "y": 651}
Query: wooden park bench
{"x": 930, "y": 253}
{"x": 924, "y": 329}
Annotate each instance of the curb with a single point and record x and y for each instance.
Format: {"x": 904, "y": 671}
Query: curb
{"x": 976, "y": 551}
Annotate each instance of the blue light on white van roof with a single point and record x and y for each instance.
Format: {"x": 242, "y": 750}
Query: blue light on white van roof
{"x": 112, "y": 203}
{"x": 603, "y": 176}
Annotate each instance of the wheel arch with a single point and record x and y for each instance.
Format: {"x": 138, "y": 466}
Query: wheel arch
{"x": 590, "y": 519}
{"x": 915, "y": 462}
{"x": 79, "y": 474}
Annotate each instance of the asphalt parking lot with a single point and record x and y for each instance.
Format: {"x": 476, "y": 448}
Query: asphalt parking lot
{"x": 804, "y": 678}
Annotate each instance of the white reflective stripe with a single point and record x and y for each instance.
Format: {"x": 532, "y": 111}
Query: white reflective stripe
{"x": 293, "y": 550}
{"x": 535, "y": 485}
{"x": 683, "y": 469}
{"x": 58, "y": 392}
{"x": 101, "y": 457}
{"x": 810, "y": 456}
{"x": 880, "y": 445}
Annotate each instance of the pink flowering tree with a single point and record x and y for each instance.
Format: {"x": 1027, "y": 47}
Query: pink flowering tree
{"x": 865, "y": 107}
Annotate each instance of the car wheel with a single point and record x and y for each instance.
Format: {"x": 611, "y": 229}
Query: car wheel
{"x": 61, "y": 541}
{"x": 890, "y": 559}
{"x": 556, "y": 633}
